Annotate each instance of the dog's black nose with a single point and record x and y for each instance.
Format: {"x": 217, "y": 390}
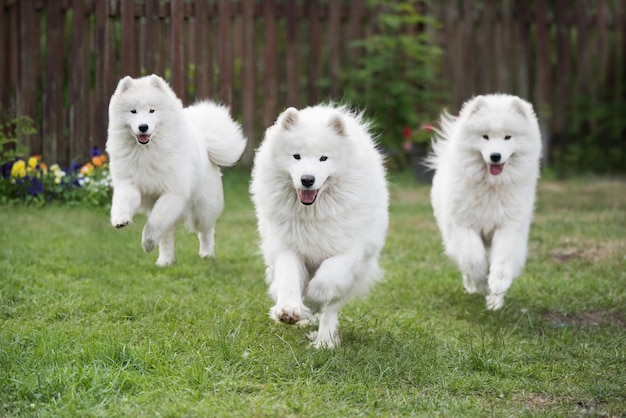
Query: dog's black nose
{"x": 143, "y": 128}
{"x": 495, "y": 157}
{"x": 307, "y": 180}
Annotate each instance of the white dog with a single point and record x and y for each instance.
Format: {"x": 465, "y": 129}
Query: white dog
{"x": 319, "y": 188}
{"x": 487, "y": 163}
{"x": 164, "y": 160}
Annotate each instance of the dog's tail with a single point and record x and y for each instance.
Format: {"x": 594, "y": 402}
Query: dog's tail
{"x": 440, "y": 142}
{"x": 221, "y": 135}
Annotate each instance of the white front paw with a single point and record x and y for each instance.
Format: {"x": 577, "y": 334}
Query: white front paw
{"x": 149, "y": 238}
{"x": 289, "y": 314}
{"x": 120, "y": 221}
{"x": 164, "y": 261}
{"x": 495, "y": 301}
{"x": 320, "y": 342}
{"x": 469, "y": 285}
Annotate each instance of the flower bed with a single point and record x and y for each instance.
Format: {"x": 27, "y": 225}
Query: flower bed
{"x": 32, "y": 181}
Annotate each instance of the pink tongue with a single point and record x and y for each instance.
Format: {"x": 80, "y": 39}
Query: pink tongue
{"x": 496, "y": 169}
{"x": 307, "y": 196}
{"x": 143, "y": 139}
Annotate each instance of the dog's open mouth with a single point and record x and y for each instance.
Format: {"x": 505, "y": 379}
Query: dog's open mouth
{"x": 143, "y": 139}
{"x": 495, "y": 169}
{"x": 307, "y": 196}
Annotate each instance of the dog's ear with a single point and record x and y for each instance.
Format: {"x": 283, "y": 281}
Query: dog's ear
{"x": 474, "y": 105}
{"x": 289, "y": 118}
{"x": 337, "y": 125}
{"x": 157, "y": 81}
{"x": 124, "y": 84}
{"x": 520, "y": 106}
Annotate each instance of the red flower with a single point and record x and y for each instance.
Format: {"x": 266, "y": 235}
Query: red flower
{"x": 406, "y": 132}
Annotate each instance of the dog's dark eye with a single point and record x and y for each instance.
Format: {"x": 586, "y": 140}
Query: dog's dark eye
{"x": 323, "y": 158}
{"x": 296, "y": 156}
{"x": 151, "y": 110}
{"x": 485, "y": 136}
{"x": 133, "y": 111}
{"x": 507, "y": 137}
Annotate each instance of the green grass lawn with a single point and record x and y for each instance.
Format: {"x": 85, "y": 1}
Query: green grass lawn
{"x": 89, "y": 326}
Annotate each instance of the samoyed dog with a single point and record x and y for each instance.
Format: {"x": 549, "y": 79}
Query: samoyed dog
{"x": 164, "y": 161}
{"x": 483, "y": 191}
{"x": 320, "y": 192}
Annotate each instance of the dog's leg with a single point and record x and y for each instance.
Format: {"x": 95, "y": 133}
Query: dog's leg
{"x": 327, "y": 335}
{"x": 166, "y": 248}
{"x": 466, "y": 249}
{"x": 207, "y": 243}
{"x": 287, "y": 284}
{"x": 164, "y": 215}
{"x": 508, "y": 254}
{"x": 126, "y": 201}
{"x": 333, "y": 280}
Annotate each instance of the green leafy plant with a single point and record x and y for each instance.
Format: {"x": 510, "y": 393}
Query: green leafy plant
{"x": 595, "y": 139}
{"x": 395, "y": 76}
{"x": 11, "y": 129}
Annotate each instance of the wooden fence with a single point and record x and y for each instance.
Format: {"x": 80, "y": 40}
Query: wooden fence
{"x": 61, "y": 59}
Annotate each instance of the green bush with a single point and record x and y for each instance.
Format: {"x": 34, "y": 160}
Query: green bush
{"x": 595, "y": 140}
{"x": 11, "y": 129}
{"x": 395, "y": 75}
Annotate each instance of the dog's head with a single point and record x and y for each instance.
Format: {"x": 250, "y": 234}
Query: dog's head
{"x": 501, "y": 128}
{"x": 311, "y": 149}
{"x": 141, "y": 104}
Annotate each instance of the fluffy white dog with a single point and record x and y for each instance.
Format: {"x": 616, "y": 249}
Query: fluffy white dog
{"x": 164, "y": 160}
{"x": 320, "y": 192}
{"x": 487, "y": 163}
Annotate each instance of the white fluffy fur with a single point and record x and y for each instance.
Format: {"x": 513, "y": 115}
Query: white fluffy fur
{"x": 175, "y": 176}
{"x": 319, "y": 256}
{"x": 484, "y": 219}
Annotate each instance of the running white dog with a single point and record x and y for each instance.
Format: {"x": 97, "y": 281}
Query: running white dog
{"x": 319, "y": 188}
{"x": 164, "y": 160}
{"x": 487, "y": 163}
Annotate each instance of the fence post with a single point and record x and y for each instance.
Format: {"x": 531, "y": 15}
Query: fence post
{"x": 270, "y": 58}
{"x": 128, "y": 42}
{"x": 25, "y": 58}
{"x": 225, "y": 53}
{"x": 176, "y": 39}
{"x": 249, "y": 89}
{"x": 79, "y": 136}
{"x": 53, "y": 148}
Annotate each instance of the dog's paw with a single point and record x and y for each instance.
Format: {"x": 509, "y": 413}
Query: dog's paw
{"x": 163, "y": 262}
{"x": 148, "y": 245}
{"x": 289, "y": 314}
{"x": 204, "y": 254}
{"x": 120, "y": 221}
{"x": 472, "y": 286}
{"x": 469, "y": 285}
{"x": 328, "y": 343}
{"x": 149, "y": 238}
{"x": 494, "y": 301}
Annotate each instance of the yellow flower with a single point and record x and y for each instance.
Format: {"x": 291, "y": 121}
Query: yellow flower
{"x": 18, "y": 169}
{"x": 32, "y": 161}
{"x": 58, "y": 173}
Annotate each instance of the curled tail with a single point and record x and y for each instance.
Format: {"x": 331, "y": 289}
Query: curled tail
{"x": 221, "y": 135}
